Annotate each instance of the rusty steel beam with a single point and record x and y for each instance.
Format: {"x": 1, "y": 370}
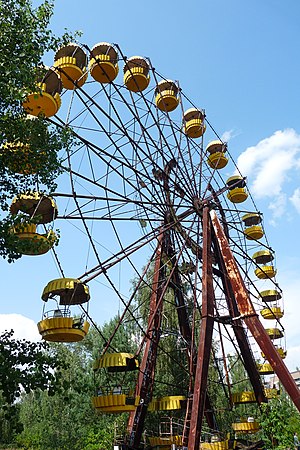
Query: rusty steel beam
{"x": 186, "y": 332}
{"x": 180, "y": 305}
{"x": 205, "y": 338}
{"x": 239, "y": 331}
{"x": 249, "y": 315}
{"x": 145, "y": 381}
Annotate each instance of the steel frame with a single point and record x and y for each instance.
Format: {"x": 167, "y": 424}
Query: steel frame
{"x": 212, "y": 230}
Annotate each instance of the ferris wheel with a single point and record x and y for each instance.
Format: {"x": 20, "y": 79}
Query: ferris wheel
{"x": 150, "y": 193}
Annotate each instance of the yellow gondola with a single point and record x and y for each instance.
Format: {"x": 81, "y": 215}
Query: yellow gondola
{"x": 169, "y": 403}
{"x": 263, "y": 257}
{"x": 32, "y": 243}
{"x": 45, "y": 100}
{"x": 272, "y": 393}
{"x": 59, "y": 325}
{"x": 217, "y": 160}
{"x": 270, "y": 295}
{"x": 246, "y": 427}
{"x": 265, "y": 369}
{"x": 103, "y": 64}
{"x": 166, "y": 95}
{"x": 243, "y": 397}
{"x": 281, "y": 352}
{"x": 63, "y": 329}
{"x": 251, "y": 219}
{"x": 254, "y": 233}
{"x": 274, "y": 333}
{"x": 115, "y": 403}
{"x": 272, "y": 313}
{"x": 237, "y": 192}
{"x": 239, "y": 398}
{"x": 265, "y": 272}
{"x": 193, "y": 123}
{"x": 218, "y": 445}
{"x": 217, "y": 154}
{"x": 237, "y": 195}
{"x": 117, "y": 362}
{"x": 136, "y": 74}
{"x": 70, "y": 61}
{"x": 118, "y": 399}
{"x": 69, "y": 290}
{"x": 165, "y": 442}
{"x": 216, "y": 146}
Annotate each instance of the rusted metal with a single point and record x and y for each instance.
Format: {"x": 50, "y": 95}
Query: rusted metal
{"x": 225, "y": 365}
{"x": 239, "y": 331}
{"x": 145, "y": 381}
{"x": 180, "y": 306}
{"x": 205, "y": 338}
{"x": 186, "y": 332}
{"x": 249, "y": 315}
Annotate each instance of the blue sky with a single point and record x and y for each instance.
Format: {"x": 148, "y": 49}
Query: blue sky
{"x": 240, "y": 62}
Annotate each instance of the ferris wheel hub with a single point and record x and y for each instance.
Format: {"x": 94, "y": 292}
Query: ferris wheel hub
{"x": 198, "y": 204}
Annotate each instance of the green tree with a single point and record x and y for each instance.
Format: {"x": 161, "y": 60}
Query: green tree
{"x": 61, "y": 421}
{"x": 279, "y": 421}
{"x": 24, "y": 366}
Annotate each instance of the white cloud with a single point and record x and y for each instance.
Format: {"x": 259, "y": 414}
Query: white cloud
{"x": 24, "y": 328}
{"x": 278, "y": 205}
{"x": 295, "y": 199}
{"x": 229, "y": 134}
{"x": 272, "y": 173}
{"x": 269, "y": 166}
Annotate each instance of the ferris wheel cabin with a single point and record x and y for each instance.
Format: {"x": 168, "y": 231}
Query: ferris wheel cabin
{"x": 136, "y": 74}
{"x": 40, "y": 210}
{"x": 193, "y": 120}
{"x": 46, "y": 99}
{"x": 58, "y": 325}
{"x": 166, "y": 95}
{"x": 236, "y": 189}
{"x": 217, "y": 154}
{"x": 70, "y": 62}
{"x": 103, "y": 64}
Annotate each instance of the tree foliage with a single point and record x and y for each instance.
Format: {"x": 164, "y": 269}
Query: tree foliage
{"x": 25, "y": 366}
{"x": 67, "y": 419}
{"x": 279, "y": 421}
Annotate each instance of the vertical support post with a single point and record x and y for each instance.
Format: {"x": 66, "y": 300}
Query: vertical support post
{"x": 249, "y": 315}
{"x": 145, "y": 381}
{"x": 186, "y": 332}
{"x": 205, "y": 338}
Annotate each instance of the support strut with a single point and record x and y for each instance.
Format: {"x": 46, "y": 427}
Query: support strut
{"x": 186, "y": 332}
{"x": 205, "y": 339}
{"x": 240, "y": 332}
{"x": 145, "y": 382}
